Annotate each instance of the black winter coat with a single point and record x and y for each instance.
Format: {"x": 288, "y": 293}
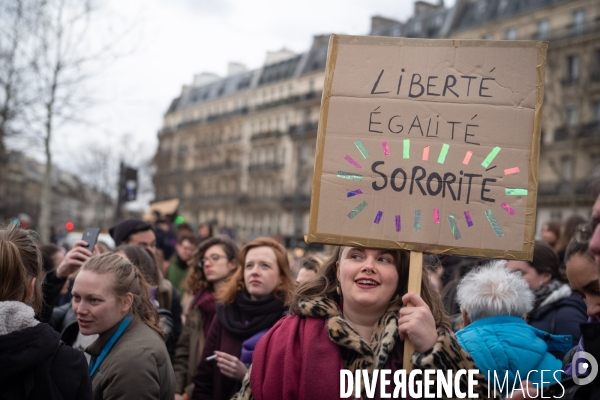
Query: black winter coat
{"x": 34, "y": 360}
{"x": 63, "y": 320}
{"x": 562, "y": 317}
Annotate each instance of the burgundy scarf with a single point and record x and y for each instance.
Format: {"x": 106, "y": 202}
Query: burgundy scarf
{"x": 296, "y": 359}
{"x": 205, "y": 301}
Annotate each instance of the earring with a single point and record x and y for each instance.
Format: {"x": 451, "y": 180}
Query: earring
{"x": 338, "y": 289}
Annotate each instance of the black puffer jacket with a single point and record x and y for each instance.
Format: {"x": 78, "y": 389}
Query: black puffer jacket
{"x": 35, "y": 364}
{"x": 64, "y": 321}
{"x": 561, "y": 317}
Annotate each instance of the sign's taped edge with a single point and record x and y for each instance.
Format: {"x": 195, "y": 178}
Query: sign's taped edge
{"x": 529, "y": 235}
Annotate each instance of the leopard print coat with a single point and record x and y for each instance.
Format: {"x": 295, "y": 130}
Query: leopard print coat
{"x": 356, "y": 353}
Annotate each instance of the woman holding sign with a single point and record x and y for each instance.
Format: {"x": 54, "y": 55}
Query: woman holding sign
{"x": 352, "y": 317}
{"x": 129, "y": 358}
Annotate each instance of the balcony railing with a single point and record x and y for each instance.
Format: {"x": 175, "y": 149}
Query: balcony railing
{"x": 568, "y": 31}
{"x": 270, "y": 166}
{"x": 246, "y": 110}
{"x": 587, "y": 131}
{"x": 570, "y": 81}
{"x": 305, "y": 130}
{"x": 563, "y": 188}
{"x": 303, "y": 201}
{"x": 226, "y": 166}
{"x": 208, "y": 143}
{"x": 267, "y": 135}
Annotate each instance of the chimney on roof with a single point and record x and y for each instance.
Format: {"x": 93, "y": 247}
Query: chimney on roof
{"x": 235, "y": 68}
{"x": 204, "y": 78}
{"x": 274, "y": 57}
{"x": 380, "y": 23}
{"x": 320, "y": 40}
{"x": 423, "y": 7}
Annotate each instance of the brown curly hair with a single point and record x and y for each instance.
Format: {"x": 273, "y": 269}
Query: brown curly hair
{"x": 196, "y": 280}
{"x": 326, "y": 283}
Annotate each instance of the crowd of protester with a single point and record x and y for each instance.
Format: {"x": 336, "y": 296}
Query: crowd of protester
{"x": 174, "y": 313}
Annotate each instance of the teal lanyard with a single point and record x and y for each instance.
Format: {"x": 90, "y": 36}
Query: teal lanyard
{"x": 95, "y": 362}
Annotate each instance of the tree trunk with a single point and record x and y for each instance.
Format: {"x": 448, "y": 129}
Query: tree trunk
{"x": 45, "y": 199}
{"x": 3, "y": 176}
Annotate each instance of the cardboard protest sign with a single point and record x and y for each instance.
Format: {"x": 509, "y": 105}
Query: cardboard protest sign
{"x": 429, "y": 145}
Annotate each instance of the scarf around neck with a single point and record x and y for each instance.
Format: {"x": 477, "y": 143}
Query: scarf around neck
{"x": 544, "y": 291}
{"x": 183, "y": 265}
{"x": 245, "y": 317}
{"x": 302, "y": 355}
{"x": 205, "y": 301}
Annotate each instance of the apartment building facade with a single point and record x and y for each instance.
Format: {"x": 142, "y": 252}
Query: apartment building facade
{"x": 570, "y": 153}
{"x": 239, "y": 151}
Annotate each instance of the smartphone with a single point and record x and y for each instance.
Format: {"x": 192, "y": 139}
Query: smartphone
{"x": 90, "y": 236}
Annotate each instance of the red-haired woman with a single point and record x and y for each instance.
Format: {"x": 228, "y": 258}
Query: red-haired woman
{"x": 251, "y": 303}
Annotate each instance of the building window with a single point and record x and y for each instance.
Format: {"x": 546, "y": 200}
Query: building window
{"x": 543, "y": 29}
{"x": 480, "y": 9}
{"x": 511, "y": 34}
{"x": 417, "y": 26}
{"x": 567, "y": 168}
{"x": 597, "y": 112}
{"x": 571, "y": 116}
{"x": 595, "y": 161}
{"x": 502, "y": 6}
{"x": 595, "y": 76}
{"x": 556, "y": 214}
{"x": 579, "y": 22}
{"x": 572, "y": 70}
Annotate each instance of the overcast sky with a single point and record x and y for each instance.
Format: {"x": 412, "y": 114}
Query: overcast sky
{"x": 169, "y": 41}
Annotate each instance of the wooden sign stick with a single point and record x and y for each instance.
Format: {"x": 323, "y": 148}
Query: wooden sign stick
{"x": 415, "y": 275}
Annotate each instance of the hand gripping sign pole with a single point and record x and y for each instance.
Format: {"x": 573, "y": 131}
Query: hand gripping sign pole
{"x": 415, "y": 275}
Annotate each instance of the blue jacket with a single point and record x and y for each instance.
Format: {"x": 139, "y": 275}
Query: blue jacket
{"x": 508, "y": 344}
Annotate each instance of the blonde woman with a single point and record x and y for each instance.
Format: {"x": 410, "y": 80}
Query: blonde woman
{"x": 129, "y": 358}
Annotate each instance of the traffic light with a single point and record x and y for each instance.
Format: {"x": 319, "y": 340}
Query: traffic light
{"x": 128, "y": 183}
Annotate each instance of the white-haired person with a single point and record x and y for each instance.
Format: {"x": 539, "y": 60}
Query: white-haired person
{"x": 493, "y": 301}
